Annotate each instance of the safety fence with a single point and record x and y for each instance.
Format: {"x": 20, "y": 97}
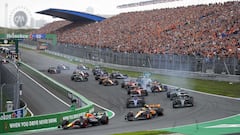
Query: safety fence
{"x": 50, "y": 120}
{"x": 187, "y": 74}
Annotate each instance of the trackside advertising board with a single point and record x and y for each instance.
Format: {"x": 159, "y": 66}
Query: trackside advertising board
{"x": 18, "y": 113}
{"x": 43, "y": 121}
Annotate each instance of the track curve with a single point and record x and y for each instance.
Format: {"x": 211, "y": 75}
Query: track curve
{"x": 206, "y": 107}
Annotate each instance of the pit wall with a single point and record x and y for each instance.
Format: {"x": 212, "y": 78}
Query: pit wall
{"x": 50, "y": 120}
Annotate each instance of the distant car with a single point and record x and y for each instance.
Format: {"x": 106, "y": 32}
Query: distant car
{"x": 79, "y": 78}
{"x": 96, "y": 69}
{"x": 136, "y": 90}
{"x": 127, "y": 83}
{"x": 156, "y": 86}
{"x": 81, "y": 72}
{"x": 54, "y": 70}
{"x": 63, "y": 67}
{"x": 4, "y": 61}
{"x": 172, "y": 92}
{"x": 88, "y": 120}
{"x": 100, "y": 72}
{"x": 101, "y": 77}
{"x": 82, "y": 67}
{"x": 147, "y": 112}
{"x": 118, "y": 75}
{"x": 135, "y": 101}
{"x": 182, "y": 101}
{"x": 108, "y": 81}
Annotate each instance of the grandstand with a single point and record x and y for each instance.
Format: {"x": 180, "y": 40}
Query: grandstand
{"x": 204, "y": 31}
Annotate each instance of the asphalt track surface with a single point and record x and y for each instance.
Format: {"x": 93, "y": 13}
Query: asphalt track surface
{"x": 206, "y": 107}
{"x": 38, "y": 99}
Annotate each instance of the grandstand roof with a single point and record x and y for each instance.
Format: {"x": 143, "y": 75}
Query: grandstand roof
{"x": 70, "y": 15}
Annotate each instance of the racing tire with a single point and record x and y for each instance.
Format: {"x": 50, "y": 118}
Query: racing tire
{"x": 159, "y": 112}
{"x": 116, "y": 82}
{"x": 130, "y": 116}
{"x": 104, "y": 120}
{"x": 64, "y": 124}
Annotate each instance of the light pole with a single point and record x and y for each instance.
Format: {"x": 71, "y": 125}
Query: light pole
{"x": 99, "y": 44}
{"x": 2, "y": 95}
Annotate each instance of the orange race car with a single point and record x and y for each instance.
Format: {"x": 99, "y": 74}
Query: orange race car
{"x": 147, "y": 112}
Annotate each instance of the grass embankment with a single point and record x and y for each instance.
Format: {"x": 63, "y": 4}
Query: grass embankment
{"x": 208, "y": 86}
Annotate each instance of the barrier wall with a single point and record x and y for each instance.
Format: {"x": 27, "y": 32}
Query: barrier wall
{"x": 45, "y": 121}
{"x": 18, "y": 113}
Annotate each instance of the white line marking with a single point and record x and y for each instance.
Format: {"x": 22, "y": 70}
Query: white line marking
{"x": 225, "y": 126}
{"x": 45, "y": 88}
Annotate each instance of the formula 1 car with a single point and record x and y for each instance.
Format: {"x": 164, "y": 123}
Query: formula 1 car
{"x": 108, "y": 82}
{"x": 182, "y": 101}
{"x": 135, "y": 101}
{"x": 53, "y": 70}
{"x": 127, "y": 83}
{"x": 4, "y": 61}
{"x": 81, "y": 72}
{"x": 118, "y": 75}
{"x": 101, "y": 75}
{"x": 98, "y": 70}
{"x": 175, "y": 93}
{"x": 82, "y": 67}
{"x": 147, "y": 112}
{"x": 63, "y": 67}
{"x": 79, "y": 78}
{"x": 156, "y": 86}
{"x": 136, "y": 90}
{"x": 88, "y": 120}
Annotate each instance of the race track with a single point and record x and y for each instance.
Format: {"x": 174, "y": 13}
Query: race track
{"x": 114, "y": 97}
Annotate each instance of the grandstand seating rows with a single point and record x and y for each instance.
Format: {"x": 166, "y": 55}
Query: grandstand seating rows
{"x": 200, "y": 30}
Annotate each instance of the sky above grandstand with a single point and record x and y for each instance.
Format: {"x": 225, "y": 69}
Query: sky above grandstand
{"x": 8, "y": 8}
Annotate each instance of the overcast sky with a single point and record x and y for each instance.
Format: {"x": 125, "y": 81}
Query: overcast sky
{"x": 98, "y": 7}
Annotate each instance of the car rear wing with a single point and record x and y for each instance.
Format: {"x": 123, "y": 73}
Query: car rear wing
{"x": 154, "y": 105}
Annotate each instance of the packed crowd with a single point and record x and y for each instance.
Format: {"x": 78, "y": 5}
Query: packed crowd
{"x": 202, "y": 30}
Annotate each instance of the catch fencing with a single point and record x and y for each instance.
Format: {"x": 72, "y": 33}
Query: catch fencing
{"x": 176, "y": 62}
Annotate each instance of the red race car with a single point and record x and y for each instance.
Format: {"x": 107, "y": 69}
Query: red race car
{"x": 88, "y": 120}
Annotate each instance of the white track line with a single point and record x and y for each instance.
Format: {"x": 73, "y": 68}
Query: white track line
{"x": 43, "y": 89}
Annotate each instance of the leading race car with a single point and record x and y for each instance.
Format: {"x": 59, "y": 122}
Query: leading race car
{"x": 182, "y": 101}
{"x": 135, "y": 101}
{"x": 147, "y": 112}
{"x": 88, "y": 120}
{"x": 53, "y": 70}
